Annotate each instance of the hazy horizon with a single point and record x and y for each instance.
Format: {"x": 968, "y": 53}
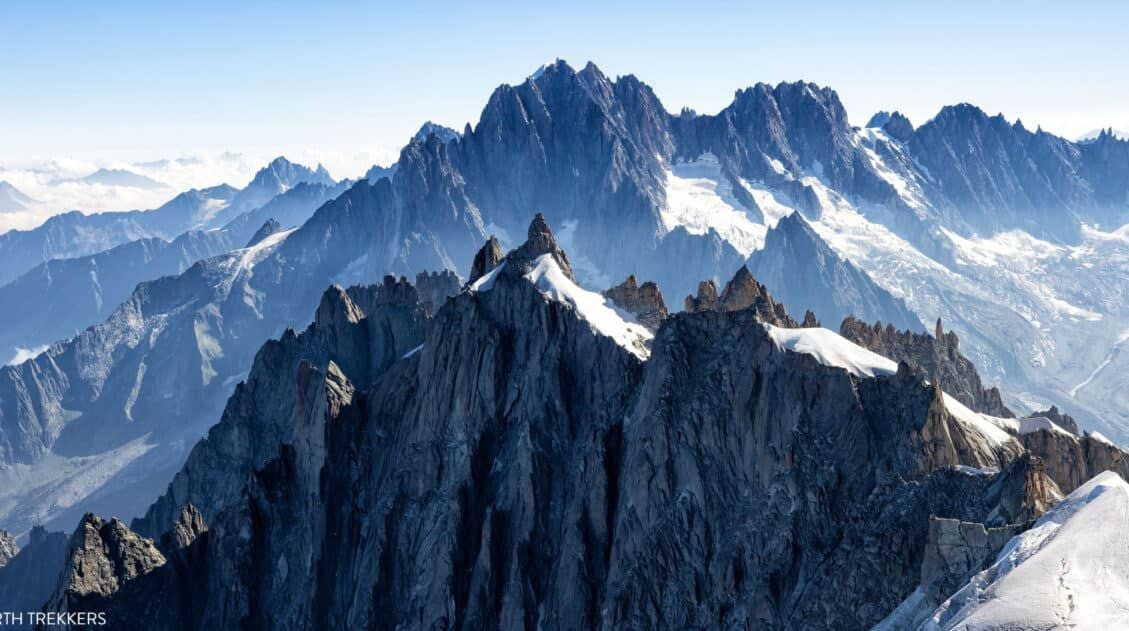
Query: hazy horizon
{"x": 128, "y": 83}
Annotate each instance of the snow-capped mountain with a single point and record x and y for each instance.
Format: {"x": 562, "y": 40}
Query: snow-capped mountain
{"x": 117, "y": 177}
{"x": 74, "y": 234}
{"x": 1069, "y": 570}
{"x": 888, "y": 223}
{"x": 84, "y": 290}
{"x": 402, "y": 466}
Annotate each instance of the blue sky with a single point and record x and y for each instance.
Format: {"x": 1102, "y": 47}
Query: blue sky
{"x": 129, "y": 80}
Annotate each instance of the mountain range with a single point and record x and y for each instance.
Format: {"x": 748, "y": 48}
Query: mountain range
{"x": 491, "y": 437}
{"x": 528, "y": 454}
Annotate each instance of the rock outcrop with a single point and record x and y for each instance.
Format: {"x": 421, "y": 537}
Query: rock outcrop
{"x": 28, "y": 579}
{"x": 741, "y": 292}
{"x": 363, "y": 330}
{"x": 103, "y": 556}
{"x": 644, "y": 301}
{"x": 8, "y": 547}
{"x": 486, "y": 259}
{"x": 517, "y": 468}
{"x": 1072, "y": 459}
{"x": 938, "y": 357}
{"x": 435, "y": 288}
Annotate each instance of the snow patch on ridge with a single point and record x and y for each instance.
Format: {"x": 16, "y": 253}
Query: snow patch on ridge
{"x": 988, "y": 426}
{"x": 486, "y": 281}
{"x": 831, "y": 349}
{"x": 699, "y": 197}
{"x": 23, "y": 354}
{"x": 605, "y": 318}
{"x": 1071, "y": 569}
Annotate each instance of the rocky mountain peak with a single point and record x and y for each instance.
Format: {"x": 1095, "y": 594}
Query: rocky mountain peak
{"x": 937, "y": 357}
{"x": 706, "y": 300}
{"x": 486, "y": 259}
{"x": 744, "y": 291}
{"x": 898, "y": 127}
{"x": 539, "y": 242}
{"x": 188, "y": 526}
{"x": 444, "y": 133}
{"x": 644, "y": 301}
{"x": 337, "y": 307}
{"x": 741, "y": 292}
{"x": 1057, "y": 417}
{"x": 103, "y": 555}
{"x": 434, "y": 288}
{"x": 269, "y": 227}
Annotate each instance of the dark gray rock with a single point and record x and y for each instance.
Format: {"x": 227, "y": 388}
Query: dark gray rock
{"x": 938, "y": 357}
{"x": 519, "y": 470}
{"x": 486, "y": 259}
{"x": 28, "y": 578}
{"x": 435, "y": 288}
{"x": 8, "y": 547}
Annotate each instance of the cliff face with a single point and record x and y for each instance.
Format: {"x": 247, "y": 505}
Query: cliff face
{"x": 937, "y": 356}
{"x": 644, "y": 301}
{"x": 516, "y": 461}
{"x": 1070, "y": 457}
{"x": 8, "y": 547}
{"x": 29, "y": 577}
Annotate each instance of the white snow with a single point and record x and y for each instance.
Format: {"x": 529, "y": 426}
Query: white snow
{"x": 986, "y": 425}
{"x": 1070, "y": 570}
{"x": 212, "y": 206}
{"x": 23, "y": 354}
{"x": 604, "y": 317}
{"x": 868, "y": 140}
{"x": 584, "y": 268}
{"x": 1029, "y": 425}
{"x": 699, "y": 197}
{"x": 831, "y": 349}
{"x": 486, "y": 281}
{"x": 771, "y": 207}
{"x": 1100, "y": 437}
{"x": 246, "y": 258}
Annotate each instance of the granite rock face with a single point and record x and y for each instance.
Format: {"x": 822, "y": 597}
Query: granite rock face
{"x": 1069, "y": 456}
{"x": 956, "y": 551}
{"x": 644, "y": 301}
{"x": 8, "y": 547}
{"x": 937, "y": 356}
{"x": 363, "y": 330}
{"x": 102, "y": 558}
{"x": 1072, "y": 459}
{"x": 741, "y": 292}
{"x": 435, "y": 288}
{"x": 513, "y": 468}
{"x": 29, "y": 578}
{"x": 486, "y": 259}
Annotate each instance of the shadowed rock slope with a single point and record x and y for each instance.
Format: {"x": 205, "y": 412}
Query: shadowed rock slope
{"x": 505, "y": 463}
